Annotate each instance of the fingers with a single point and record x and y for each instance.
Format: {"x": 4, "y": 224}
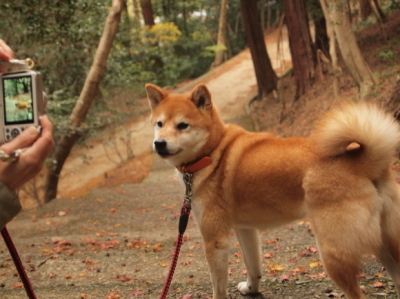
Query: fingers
{"x": 41, "y": 145}
{"x": 25, "y": 139}
{"x": 30, "y": 162}
{"x": 45, "y": 143}
{"x": 5, "y": 51}
{"x": 46, "y": 124}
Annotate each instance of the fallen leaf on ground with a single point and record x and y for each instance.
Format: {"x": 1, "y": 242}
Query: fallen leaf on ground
{"x": 284, "y": 277}
{"x": 268, "y": 255}
{"x": 18, "y": 285}
{"x": 315, "y": 264}
{"x": 137, "y": 293}
{"x": 300, "y": 269}
{"x": 272, "y": 241}
{"x": 113, "y": 295}
{"x": 276, "y": 267}
{"x": 378, "y": 284}
{"x": 318, "y": 276}
{"x": 123, "y": 277}
{"x": 312, "y": 249}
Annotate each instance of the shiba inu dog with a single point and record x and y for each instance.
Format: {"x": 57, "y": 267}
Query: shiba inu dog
{"x": 339, "y": 178}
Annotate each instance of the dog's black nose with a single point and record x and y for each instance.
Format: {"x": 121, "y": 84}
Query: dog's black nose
{"x": 160, "y": 145}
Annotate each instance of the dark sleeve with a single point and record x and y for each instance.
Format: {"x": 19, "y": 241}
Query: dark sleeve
{"x": 9, "y": 205}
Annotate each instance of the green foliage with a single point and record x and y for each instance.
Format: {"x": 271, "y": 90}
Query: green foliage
{"x": 211, "y": 50}
{"x": 388, "y": 55}
{"x": 61, "y": 36}
{"x": 163, "y": 34}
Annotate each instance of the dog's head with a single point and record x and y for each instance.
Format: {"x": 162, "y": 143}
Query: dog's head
{"x": 182, "y": 123}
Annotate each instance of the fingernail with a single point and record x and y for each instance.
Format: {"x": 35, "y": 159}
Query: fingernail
{"x": 31, "y": 130}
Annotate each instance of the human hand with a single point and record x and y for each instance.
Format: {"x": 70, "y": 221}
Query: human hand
{"x": 31, "y": 160}
{"x": 5, "y": 54}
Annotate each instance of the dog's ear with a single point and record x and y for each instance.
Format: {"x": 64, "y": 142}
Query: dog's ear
{"x": 201, "y": 97}
{"x": 155, "y": 95}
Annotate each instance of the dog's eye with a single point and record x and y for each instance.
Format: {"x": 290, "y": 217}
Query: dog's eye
{"x": 159, "y": 124}
{"x": 182, "y": 126}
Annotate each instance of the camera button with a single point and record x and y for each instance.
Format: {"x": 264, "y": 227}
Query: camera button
{"x": 14, "y": 132}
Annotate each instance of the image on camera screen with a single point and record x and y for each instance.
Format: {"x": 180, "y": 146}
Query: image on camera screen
{"x": 18, "y": 100}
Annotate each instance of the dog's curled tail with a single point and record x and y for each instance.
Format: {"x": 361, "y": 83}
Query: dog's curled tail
{"x": 359, "y": 127}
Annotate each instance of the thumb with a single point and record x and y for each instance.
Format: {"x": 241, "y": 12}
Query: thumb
{"x": 26, "y": 138}
{"x": 5, "y": 51}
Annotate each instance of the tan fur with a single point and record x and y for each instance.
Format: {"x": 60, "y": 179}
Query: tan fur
{"x": 339, "y": 178}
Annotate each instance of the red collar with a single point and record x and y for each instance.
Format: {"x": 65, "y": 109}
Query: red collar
{"x": 196, "y": 166}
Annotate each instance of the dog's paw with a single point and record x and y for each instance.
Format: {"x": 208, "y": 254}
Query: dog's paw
{"x": 245, "y": 289}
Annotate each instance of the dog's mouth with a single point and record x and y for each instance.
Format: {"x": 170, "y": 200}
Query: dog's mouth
{"x": 164, "y": 153}
{"x": 161, "y": 147}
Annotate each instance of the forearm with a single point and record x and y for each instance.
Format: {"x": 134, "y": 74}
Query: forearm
{"x": 9, "y": 205}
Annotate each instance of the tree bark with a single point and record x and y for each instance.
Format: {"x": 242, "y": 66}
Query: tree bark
{"x": 302, "y": 49}
{"x": 86, "y": 98}
{"x": 334, "y": 71}
{"x": 393, "y": 105}
{"x": 349, "y": 48}
{"x": 365, "y": 9}
{"x": 265, "y": 74}
{"x": 321, "y": 34}
{"x": 136, "y": 14}
{"x": 147, "y": 12}
{"x": 219, "y": 55}
{"x": 379, "y": 10}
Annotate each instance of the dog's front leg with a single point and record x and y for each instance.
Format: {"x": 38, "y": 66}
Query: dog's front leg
{"x": 216, "y": 246}
{"x": 249, "y": 240}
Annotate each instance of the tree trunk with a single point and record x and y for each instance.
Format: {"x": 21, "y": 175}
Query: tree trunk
{"x": 302, "y": 49}
{"x": 334, "y": 71}
{"x": 365, "y": 9}
{"x": 269, "y": 14}
{"x": 185, "y": 17}
{"x": 379, "y": 10}
{"x": 393, "y": 105}
{"x": 321, "y": 35}
{"x": 351, "y": 53}
{"x": 219, "y": 55}
{"x": 86, "y": 97}
{"x": 136, "y": 14}
{"x": 265, "y": 74}
{"x": 147, "y": 12}
{"x": 262, "y": 14}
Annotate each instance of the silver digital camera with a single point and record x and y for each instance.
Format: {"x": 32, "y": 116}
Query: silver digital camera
{"x": 21, "y": 104}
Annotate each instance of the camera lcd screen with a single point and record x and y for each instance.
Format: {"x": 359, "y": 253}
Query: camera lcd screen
{"x": 18, "y": 100}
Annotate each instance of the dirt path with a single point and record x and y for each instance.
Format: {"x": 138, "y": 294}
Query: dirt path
{"x": 232, "y": 85}
{"x": 117, "y": 243}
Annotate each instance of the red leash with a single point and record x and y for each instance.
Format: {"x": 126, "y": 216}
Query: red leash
{"x": 183, "y": 221}
{"x": 18, "y": 263}
{"x": 188, "y": 171}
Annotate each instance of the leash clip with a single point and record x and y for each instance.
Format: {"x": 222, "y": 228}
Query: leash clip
{"x": 188, "y": 180}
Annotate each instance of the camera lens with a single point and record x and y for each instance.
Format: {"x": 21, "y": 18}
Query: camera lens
{"x": 14, "y": 132}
